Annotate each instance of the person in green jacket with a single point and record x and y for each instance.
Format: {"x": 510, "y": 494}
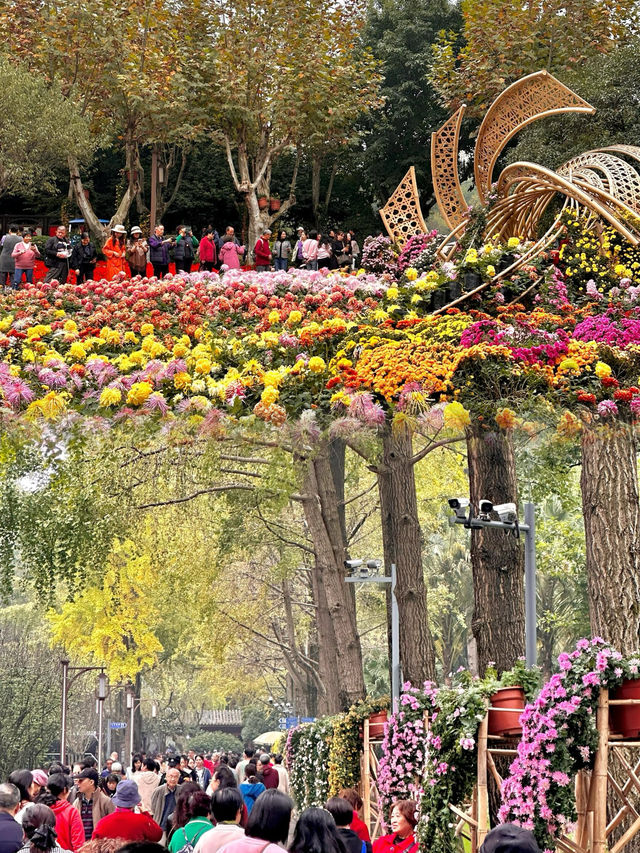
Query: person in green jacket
{"x": 197, "y": 806}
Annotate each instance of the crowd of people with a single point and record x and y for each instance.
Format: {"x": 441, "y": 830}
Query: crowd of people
{"x": 129, "y": 254}
{"x": 197, "y": 803}
{"x": 192, "y": 803}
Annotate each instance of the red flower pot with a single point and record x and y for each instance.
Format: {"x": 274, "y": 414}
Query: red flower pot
{"x": 625, "y": 719}
{"x": 263, "y": 201}
{"x": 505, "y": 707}
{"x": 274, "y": 204}
{"x": 376, "y": 724}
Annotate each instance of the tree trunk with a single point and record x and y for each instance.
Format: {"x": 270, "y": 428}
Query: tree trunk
{"x": 611, "y": 510}
{"x": 402, "y": 544}
{"x": 316, "y": 164}
{"x": 497, "y": 557}
{"x": 342, "y": 654}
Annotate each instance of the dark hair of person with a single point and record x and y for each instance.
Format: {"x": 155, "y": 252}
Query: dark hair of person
{"x": 150, "y": 764}
{"x": 13, "y": 227}
{"x": 250, "y": 772}
{"x": 278, "y": 758}
{"x": 38, "y": 823}
{"x": 249, "y": 751}
{"x": 111, "y": 777}
{"x": 181, "y": 814}
{"x": 407, "y": 809}
{"x": 224, "y": 759}
{"x": 316, "y": 832}
{"x": 233, "y": 761}
{"x": 352, "y": 796}
{"x": 22, "y": 779}
{"x": 45, "y": 797}
{"x": 198, "y": 804}
{"x": 341, "y": 810}
{"x": 226, "y": 803}
{"x": 270, "y": 817}
{"x": 136, "y": 758}
{"x": 225, "y": 776}
{"x": 88, "y": 763}
{"x": 57, "y": 783}
{"x": 313, "y": 234}
{"x": 199, "y": 755}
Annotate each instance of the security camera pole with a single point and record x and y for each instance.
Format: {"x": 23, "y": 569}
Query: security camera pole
{"x": 471, "y": 522}
{"x": 360, "y": 574}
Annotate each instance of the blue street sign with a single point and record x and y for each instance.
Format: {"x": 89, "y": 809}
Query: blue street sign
{"x": 117, "y": 725}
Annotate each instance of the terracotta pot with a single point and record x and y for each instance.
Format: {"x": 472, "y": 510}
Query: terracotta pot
{"x": 274, "y": 204}
{"x": 625, "y": 719}
{"x": 506, "y": 705}
{"x": 263, "y": 201}
{"x": 376, "y": 724}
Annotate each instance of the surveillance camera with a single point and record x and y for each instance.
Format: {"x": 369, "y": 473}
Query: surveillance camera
{"x": 507, "y": 513}
{"x": 458, "y": 503}
{"x": 485, "y": 507}
{"x": 374, "y": 564}
{"x": 353, "y": 564}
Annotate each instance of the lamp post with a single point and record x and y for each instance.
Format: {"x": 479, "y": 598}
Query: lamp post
{"x": 361, "y": 572}
{"x": 66, "y": 684}
{"x": 509, "y": 523}
{"x": 133, "y": 703}
{"x": 102, "y": 695}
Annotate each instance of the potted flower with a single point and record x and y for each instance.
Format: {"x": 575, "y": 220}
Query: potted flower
{"x": 263, "y": 202}
{"x": 625, "y": 719}
{"x": 508, "y": 700}
{"x": 274, "y": 204}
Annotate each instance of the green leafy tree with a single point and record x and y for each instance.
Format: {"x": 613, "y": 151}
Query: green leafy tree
{"x": 38, "y": 129}
{"x": 503, "y": 41}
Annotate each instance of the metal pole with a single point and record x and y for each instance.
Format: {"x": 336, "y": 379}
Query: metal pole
{"x": 395, "y": 643}
{"x": 153, "y": 207}
{"x": 100, "y": 732}
{"x": 133, "y": 711}
{"x": 63, "y": 721}
{"x": 530, "y": 584}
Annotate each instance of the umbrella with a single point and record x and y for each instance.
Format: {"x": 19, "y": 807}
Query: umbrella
{"x": 268, "y": 738}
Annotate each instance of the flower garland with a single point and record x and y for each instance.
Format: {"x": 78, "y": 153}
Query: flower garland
{"x": 559, "y": 738}
{"x": 346, "y": 745}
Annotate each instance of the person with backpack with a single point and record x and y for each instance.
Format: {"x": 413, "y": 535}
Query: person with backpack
{"x": 197, "y": 808}
{"x": 342, "y": 813}
{"x": 226, "y": 810}
{"x": 185, "y": 249}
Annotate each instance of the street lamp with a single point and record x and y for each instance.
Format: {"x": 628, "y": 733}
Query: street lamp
{"x": 66, "y": 684}
{"x": 133, "y": 703}
{"x": 101, "y": 696}
{"x": 508, "y": 515}
{"x": 367, "y": 571}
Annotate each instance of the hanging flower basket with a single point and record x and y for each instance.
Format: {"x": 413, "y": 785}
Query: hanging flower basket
{"x": 263, "y": 202}
{"x": 376, "y": 724}
{"x": 625, "y": 719}
{"x": 505, "y": 707}
{"x": 274, "y": 204}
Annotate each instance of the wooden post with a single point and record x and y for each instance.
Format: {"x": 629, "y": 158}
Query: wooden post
{"x": 599, "y": 778}
{"x": 366, "y": 777}
{"x": 483, "y": 795}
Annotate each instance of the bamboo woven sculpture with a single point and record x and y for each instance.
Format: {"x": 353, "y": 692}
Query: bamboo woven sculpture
{"x": 598, "y": 182}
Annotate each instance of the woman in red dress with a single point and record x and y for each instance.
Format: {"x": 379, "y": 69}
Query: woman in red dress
{"x": 115, "y": 252}
{"x": 403, "y": 822}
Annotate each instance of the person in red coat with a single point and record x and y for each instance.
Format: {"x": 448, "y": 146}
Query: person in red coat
{"x": 208, "y": 259}
{"x": 69, "y": 828}
{"x": 262, "y": 254}
{"x": 358, "y": 826}
{"x": 401, "y": 839}
{"x": 125, "y": 822}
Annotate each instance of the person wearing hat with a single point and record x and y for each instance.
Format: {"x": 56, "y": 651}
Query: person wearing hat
{"x": 262, "y": 252}
{"x": 125, "y": 822}
{"x": 115, "y": 252}
{"x": 137, "y": 249}
{"x": 83, "y": 259}
{"x": 509, "y": 838}
{"x": 92, "y": 804}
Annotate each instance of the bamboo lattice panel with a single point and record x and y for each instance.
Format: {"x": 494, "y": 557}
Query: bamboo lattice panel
{"x": 444, "y": 170}
{"x": 619, "y": 178}
{"x": 401, "y": 215}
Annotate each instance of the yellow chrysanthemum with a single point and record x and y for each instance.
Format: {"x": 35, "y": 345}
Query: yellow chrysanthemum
{"x": 180, "y": 350}
{"x": 294, "y": 318}
{"x": 316, "y": 364}
{"x": 77, "y": 351}
{"x": 602, "y": 370}
{"x": 139, "y": 392}
{"x": 411, "y": 273}
{"x": 392, "y": 293}
{"x": 110, "y": 397}
{"x": 146, "y": 329}
{"x": 269, "y": 395}
{"x": 203, "y": 366}
{"x": 512, "y": 242}
{"x": 456, "y": 416}
{"x": 181, "y": 380}
{"x": 274, "y": 317}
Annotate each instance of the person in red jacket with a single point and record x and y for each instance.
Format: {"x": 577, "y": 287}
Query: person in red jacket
{"x": 69, "y": 828}
{"x": 208, "y": 259}
{"x": 358, "y": 826}
{"x": 267, "y": 773}
{"x": 401, "y": 839}
{"x": 262, "y": 253}
{"x": 124, "y": 822}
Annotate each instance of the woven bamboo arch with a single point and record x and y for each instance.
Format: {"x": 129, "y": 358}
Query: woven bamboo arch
{"x": 525, "y": 101}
